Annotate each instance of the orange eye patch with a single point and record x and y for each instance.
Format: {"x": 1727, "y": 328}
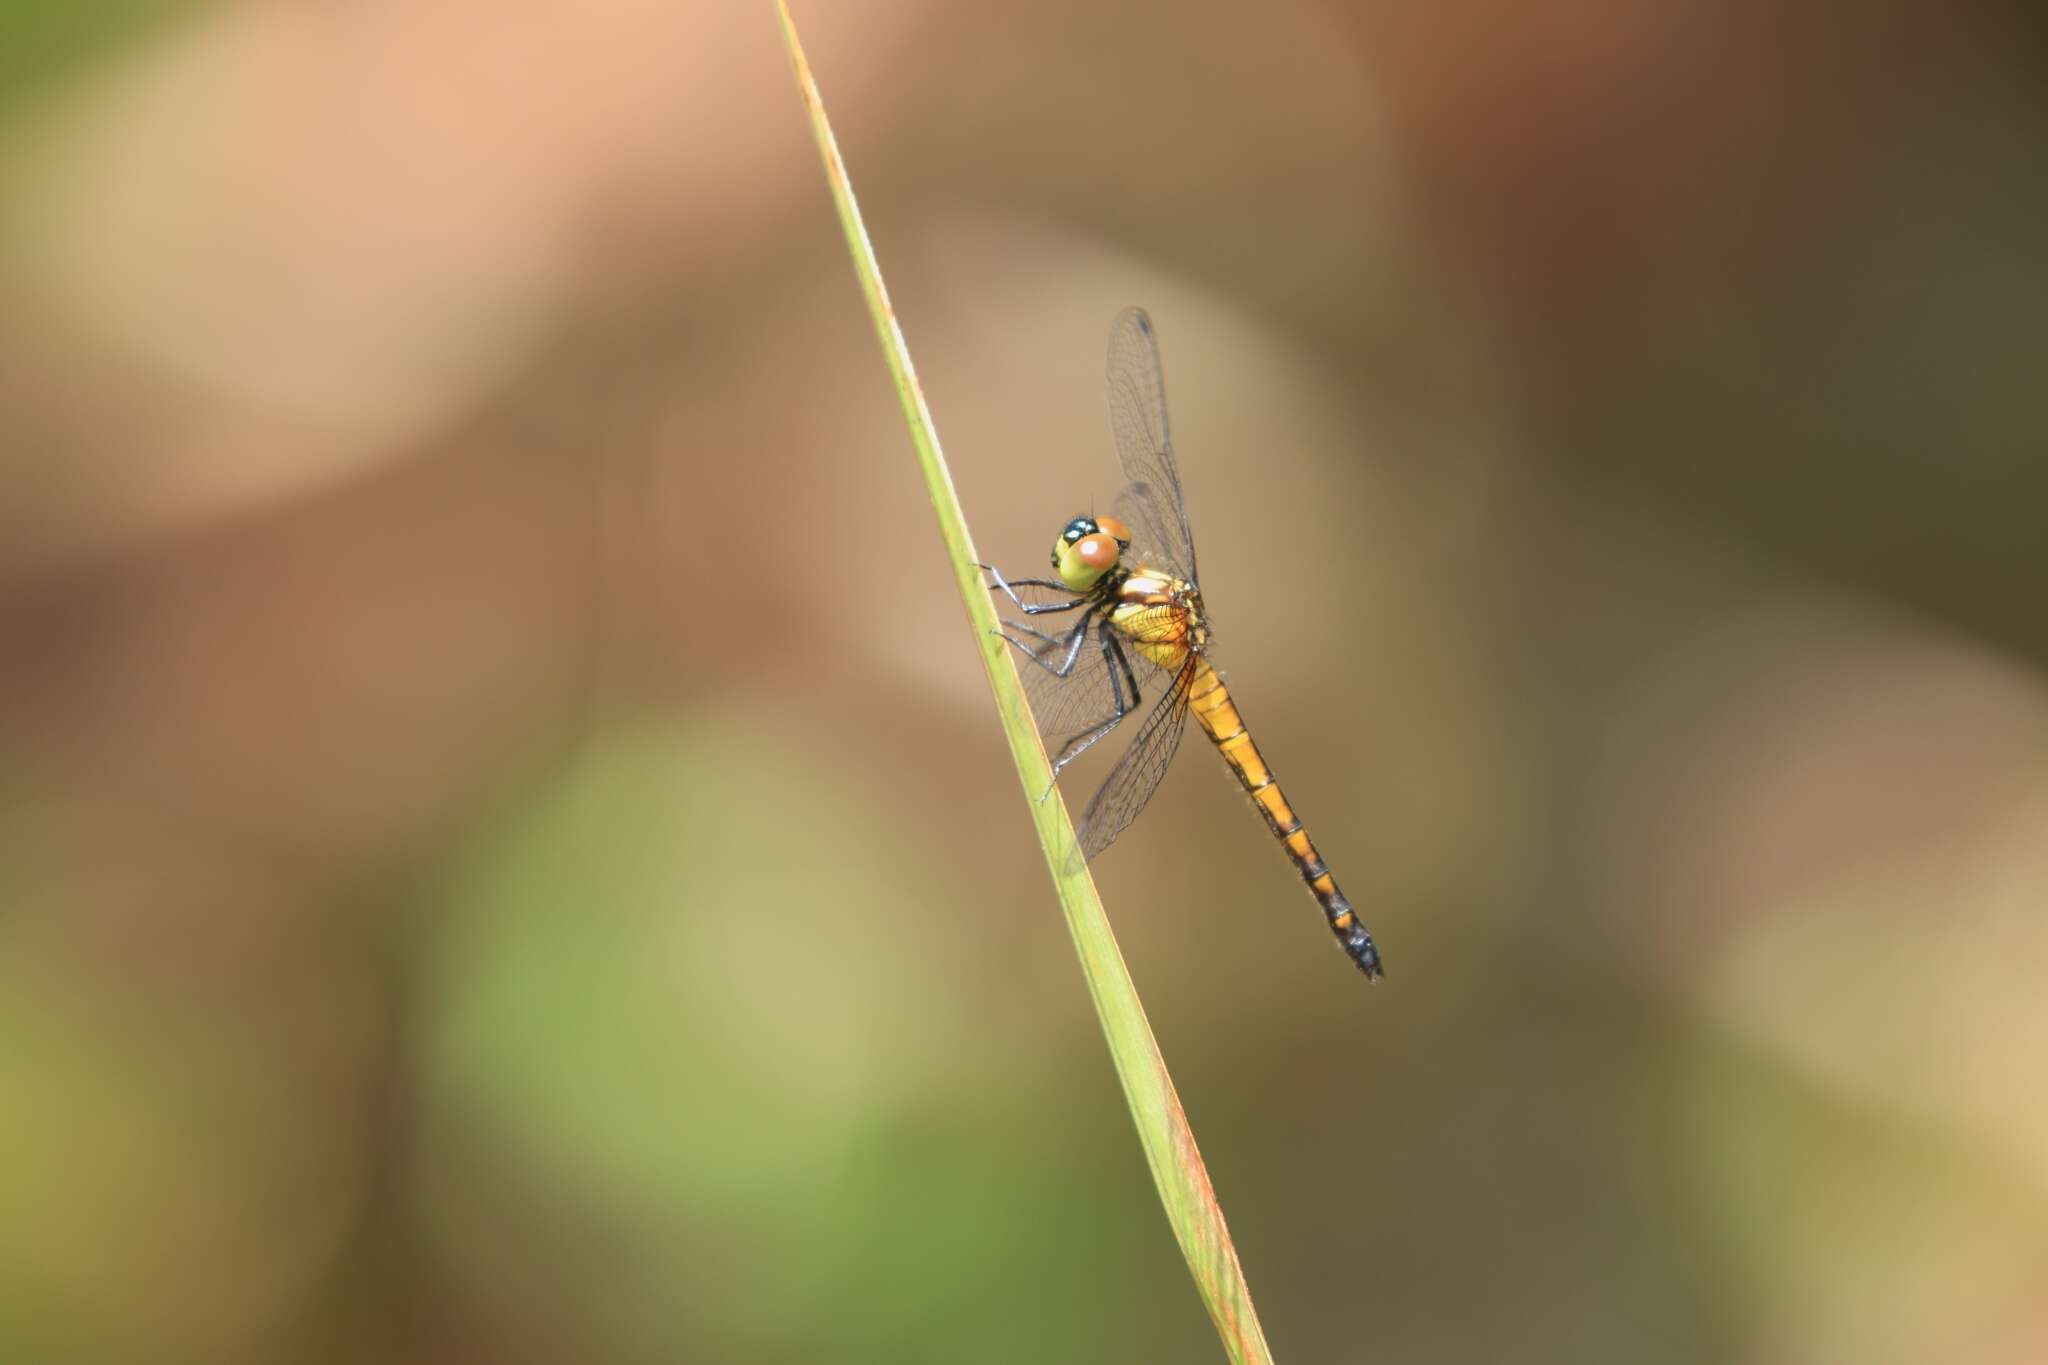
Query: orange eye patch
{"x": 1097, "y": 552}
{"x": 1112, "y": 527}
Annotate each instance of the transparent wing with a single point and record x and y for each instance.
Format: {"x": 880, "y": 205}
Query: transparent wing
{"x": 1075, "y": 708}
{"x": 1151, "y": 503}
{"x": 1138, "y": 773}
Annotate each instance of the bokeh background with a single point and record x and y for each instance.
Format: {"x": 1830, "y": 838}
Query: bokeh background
{"x": 505, "y": 851}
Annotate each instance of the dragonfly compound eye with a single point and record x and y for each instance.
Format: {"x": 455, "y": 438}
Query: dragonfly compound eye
{"x": 1111, "y": 526}
{"x": 1097, "y": 552}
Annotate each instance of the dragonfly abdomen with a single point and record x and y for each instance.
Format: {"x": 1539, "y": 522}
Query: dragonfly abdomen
{"x": 1218, "y": 716}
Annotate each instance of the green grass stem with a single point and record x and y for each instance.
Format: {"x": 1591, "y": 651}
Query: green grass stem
{"x": 1177, "y": 1169}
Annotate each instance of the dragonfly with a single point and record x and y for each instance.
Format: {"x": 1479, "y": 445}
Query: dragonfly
{"x": 1141, "y": 632}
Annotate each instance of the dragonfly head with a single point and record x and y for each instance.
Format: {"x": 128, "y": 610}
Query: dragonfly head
{"x": 1088, "y": 548}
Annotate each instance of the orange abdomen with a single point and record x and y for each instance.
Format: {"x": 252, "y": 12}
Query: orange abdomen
{"x": 1217, "y": 714}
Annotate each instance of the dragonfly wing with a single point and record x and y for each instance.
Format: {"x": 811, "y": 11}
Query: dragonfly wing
{"x": 1138, "y": 773}
{"x": 1152, "y": 501}
{"x": 1153, "y": 544}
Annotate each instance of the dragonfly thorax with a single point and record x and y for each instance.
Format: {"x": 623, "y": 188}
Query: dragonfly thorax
{"x": 1160, "y": 614}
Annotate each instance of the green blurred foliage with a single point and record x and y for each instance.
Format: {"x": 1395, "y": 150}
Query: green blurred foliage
{"x": 43, "y": 42}
{"x": 688, "y": 1062}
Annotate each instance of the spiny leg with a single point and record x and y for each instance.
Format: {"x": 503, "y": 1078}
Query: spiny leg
{"x": 1071, "y": 643}
{"x": 1033, "y": 631}
{"x": 1065, "y": 668}
{"x": 1120, "y": 704}
{"x": 1116, "y": 651}
{"x": 1009, "y": 588}
{"x": 1081, "y": 743}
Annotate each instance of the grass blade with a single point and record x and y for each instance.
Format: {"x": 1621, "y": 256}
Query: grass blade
{"x": 1169, "y": 1144}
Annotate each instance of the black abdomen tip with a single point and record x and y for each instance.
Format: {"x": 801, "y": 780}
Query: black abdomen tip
{"x": 1367, "y": 956}
{"x": 1351, "y": 935}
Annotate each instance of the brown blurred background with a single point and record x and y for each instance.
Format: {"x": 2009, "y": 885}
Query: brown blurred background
{"x": 505, "y": 853}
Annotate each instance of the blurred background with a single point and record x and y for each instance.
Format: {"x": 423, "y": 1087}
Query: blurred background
{"x": 505, "y": 852}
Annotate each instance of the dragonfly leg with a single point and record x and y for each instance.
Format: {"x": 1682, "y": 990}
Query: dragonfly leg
{"x": 1064, "y": 668}
{"x": 1035, "y": 633}
{"x": 1036, "y": 652}
{"x": 1122, "y": 704}
{"x": 1010, "y": 587}
{"x": 1071, "y": 643}
{"x": 1116, "y": 651}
